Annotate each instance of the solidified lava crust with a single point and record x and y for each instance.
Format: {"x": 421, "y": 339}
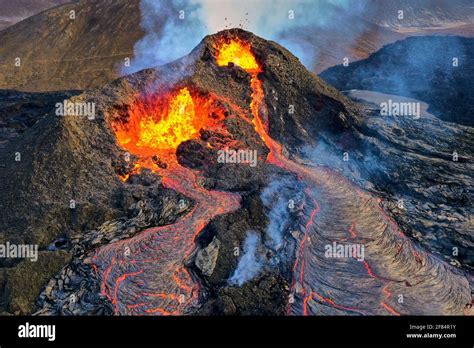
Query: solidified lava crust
{"x": 180, "y": 213}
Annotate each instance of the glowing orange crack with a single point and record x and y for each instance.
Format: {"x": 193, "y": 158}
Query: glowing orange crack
{"x": 370, "y": 272}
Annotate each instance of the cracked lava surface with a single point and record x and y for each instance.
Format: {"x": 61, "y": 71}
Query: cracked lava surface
{"x": 146, "y": 274}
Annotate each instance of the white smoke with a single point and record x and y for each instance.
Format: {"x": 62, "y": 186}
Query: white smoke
{"x": 249, "y": 264}
{"x": 268, "y": 18}
{"x": 276, "y": 197}
{"x": 174, "y": 27}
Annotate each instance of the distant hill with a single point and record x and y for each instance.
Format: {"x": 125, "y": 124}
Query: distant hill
{"x": 421, "y": 68}
{"x": 355, "y": 41}
{"x": 59, "y": 53}
{"x": 17, "y": 10}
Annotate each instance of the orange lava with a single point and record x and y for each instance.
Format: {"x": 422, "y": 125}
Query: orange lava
{"x": 152, "y": 279}
{"x": 390, "y": 309}
{"x": 155, "y": 126}
{"x": 238, "y": 53}
{"x": 371, "y": 274}
{"x": 180, "y": 124}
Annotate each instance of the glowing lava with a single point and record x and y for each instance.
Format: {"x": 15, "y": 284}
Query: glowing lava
{"x": 158, "y": 124}
{"x": 178, "y": 126}
{"x": 146, "y": 273}
{"x": 238, "y": 53}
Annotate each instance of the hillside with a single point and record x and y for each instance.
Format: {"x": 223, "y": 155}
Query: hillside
{"x": 58, "y": 53}
{"x": 15, "y": 11}
{"x": 421, "y": 68}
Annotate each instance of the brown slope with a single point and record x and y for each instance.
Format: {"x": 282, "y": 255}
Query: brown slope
{"x": 331, "y": 45}
{"x": 15, "y": 11}
{"x": 59, "y": 53}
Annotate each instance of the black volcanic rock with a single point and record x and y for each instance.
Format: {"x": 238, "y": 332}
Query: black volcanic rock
{"x": 421, "y": 68}
{"x": 297, "y": 99}
{"x": 77, "y": 158}
{"x": 74, "y": 158}
{"x": 21, "y": 110}
{"x": 64, "y": 177}
{"x": 411, "y": 163}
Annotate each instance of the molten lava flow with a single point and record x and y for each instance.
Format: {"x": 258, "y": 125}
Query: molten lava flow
{"x": 240, "y": 53}
{"x": 158, "y": 124}
{"x": 178, "y": 126}
{"x": 146, "y": 274}
{"x": 370, "y": 272}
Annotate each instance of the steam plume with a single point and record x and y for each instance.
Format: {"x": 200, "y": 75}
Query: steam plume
{"x": 276, "y": 197}
{"x": 173, "y": 28}
{"x": 249, "y": 264}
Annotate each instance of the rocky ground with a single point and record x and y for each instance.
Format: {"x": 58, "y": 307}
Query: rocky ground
{"x": 409, "y": 164}
{"x": 66, "y": 158}
{"x": 425, "y": 165}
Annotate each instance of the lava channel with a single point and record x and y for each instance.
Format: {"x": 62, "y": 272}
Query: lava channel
{"x": 146, "y": 274}
{"x": 152, "y": 279}
{"x": 313, "y": 274}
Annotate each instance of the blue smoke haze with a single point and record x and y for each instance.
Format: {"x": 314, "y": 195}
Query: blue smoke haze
{"x": 427, "y": 58}
{"x": 359, "y": 167}
{"x": 167, "y": 37}
{"x": 417, "y": 67}
{"x": 302, "y": 26}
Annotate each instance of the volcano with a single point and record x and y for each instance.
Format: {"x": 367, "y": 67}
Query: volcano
{"x": 156, "y": 224}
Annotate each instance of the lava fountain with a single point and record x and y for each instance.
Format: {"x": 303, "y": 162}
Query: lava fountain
{"x": 146, "y": 273}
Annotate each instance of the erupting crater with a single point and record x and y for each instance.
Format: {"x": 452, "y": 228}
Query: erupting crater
{"x": 237, "y": 52}
{"x": 156, "y": 280}
{"x": 158, "y": 123}
{"x": 146, "y": 274}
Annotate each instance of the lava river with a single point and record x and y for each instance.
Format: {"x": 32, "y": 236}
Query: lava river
{"x": 146, "y": 274}
{"x": 394, "y": 278}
